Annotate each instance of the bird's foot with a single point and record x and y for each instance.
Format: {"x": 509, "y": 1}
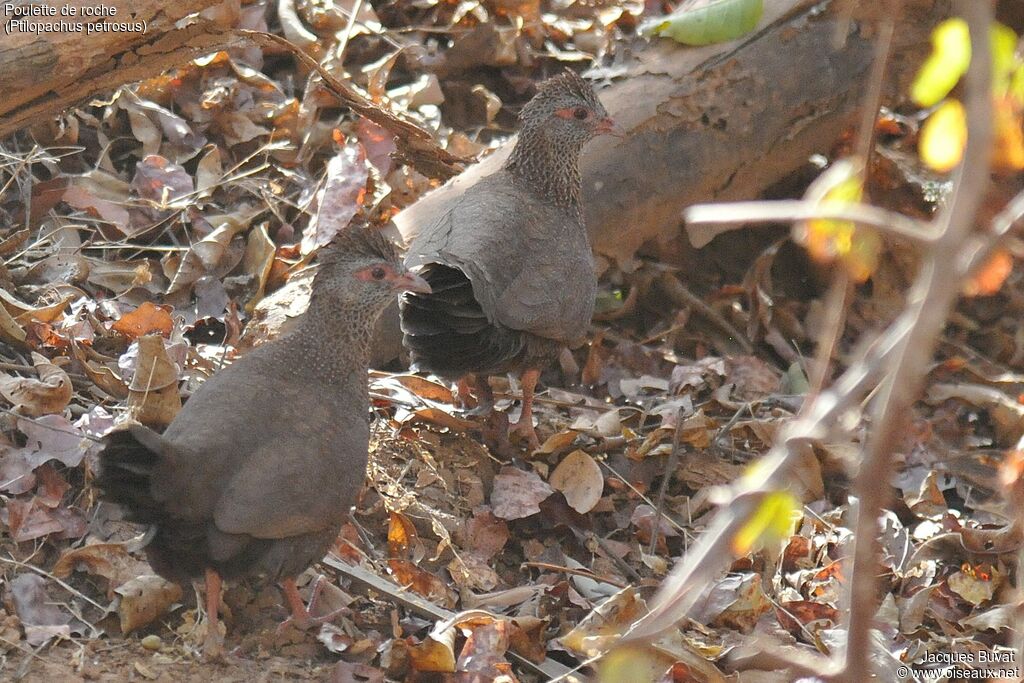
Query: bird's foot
{"x": 305, "y": 622}
{"x": 213, "y": 644}
{"x": 523, "y": 430}
{"x": 464, "y": 395}
{"x": 494, "y": 433}
{"x": 301, "y": 617}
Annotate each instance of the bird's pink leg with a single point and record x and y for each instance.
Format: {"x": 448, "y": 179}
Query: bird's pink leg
{"x": 464, "y": 390}
{"x": 524, "y": 427}
{"x": 213, "y": 645}
{"x": 301, "y": 618}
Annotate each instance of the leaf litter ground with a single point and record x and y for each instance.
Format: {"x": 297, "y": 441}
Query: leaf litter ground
{"x": 156, "y": 235}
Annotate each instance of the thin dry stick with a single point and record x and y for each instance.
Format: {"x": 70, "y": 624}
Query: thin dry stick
{"x": 670, "y": 470}
{"x": 790, "y": 210}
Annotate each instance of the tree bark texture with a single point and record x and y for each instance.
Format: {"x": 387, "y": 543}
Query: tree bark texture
{"x": 45, "y": 73}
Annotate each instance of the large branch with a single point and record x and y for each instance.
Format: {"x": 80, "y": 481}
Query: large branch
{"x": 718, "y": 122}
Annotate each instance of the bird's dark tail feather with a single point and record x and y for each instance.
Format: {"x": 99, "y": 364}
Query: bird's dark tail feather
{"x": 127, "y": 461}
{"x": 447, "y": 332}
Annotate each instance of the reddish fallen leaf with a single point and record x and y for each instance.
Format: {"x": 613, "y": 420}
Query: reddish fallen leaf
{"x": 403, "y": 538}
{"x": 795, "y": 615}
{"x": 146, "y": 319}
{"x": 352, "y": 672}
{"x": 422, "y": 582}
{"x": 484, "y": 533}
{"x": 484, "y": 651}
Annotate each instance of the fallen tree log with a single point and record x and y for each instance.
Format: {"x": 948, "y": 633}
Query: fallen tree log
{"x": 45, "y": 71}
{"x": 723, "y": 121}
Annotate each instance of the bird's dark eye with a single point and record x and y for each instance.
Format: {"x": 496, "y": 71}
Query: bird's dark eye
{"x": 580, "y": 113}
{"x": 378, "y": 273}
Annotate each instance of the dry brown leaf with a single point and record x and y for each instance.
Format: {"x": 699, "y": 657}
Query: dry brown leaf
{"x": 257, "y": 262}
{"x": 403, "y": 539}
{"x": 102, "y": 376}
{"x": 443, "y": 419}
{"x": 579, "y": 479}
{"x": 517, "y": 494}
{"x": 469, "y": 570}
{"x": 153, "y": 397}
{"x": 419, "y": 581}
{"x": 605, "y": 623}
{"x": 10, "y": 331}
{"x": 557, "y": 442}
{"x": 146, "y": 319}
{"x": 484, "y": 652}
{"x": 424, "y": 388}
{"x": 436, "y": 653}
{"x": 484, "y": 534}
{"x": 340, "y": 198}
{"x": 112, "y": 561}
{"x": 47, "y": 395}
{"x": 144, "y": 599}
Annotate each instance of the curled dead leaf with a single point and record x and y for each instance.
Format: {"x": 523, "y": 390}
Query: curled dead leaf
{"x": 47, "y": 395}
{"x": 144, "y": 599}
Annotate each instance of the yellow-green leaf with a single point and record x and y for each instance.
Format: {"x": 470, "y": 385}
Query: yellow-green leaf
{"x": 1004, "y": 60}
{"x": 950, "y": 56}
{"x": 951, "y": 53}
{"x": 703, "y": 22}
{"x": 772, "y": 521}
{"x": 943, "y": 136}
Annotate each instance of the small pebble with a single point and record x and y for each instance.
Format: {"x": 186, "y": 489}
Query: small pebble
{"x": 152, "y": 643}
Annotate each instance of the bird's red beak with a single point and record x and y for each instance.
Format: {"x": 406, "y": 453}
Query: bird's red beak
{"x": 410, "y": 282}
{"x": 607, "y": 126}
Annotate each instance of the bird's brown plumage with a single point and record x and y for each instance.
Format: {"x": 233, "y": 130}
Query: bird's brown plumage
{"x": 256, "y": 473}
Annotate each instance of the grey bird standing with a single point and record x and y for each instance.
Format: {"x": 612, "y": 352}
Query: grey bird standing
{"x": 509, "y": 263}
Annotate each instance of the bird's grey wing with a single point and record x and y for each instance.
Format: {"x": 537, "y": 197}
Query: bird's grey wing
{"x": 530, "y": 269}
{"x": 294, "y": 485}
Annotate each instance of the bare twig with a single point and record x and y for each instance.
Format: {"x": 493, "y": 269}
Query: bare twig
{"x": 930, "y": 301}
{"x": 681, "y": 296}
{"x": 888, "y": 222}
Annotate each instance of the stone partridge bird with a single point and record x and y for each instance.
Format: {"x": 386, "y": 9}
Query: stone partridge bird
{"x": 509, "y": 263}
{"x": 255, "y": 475}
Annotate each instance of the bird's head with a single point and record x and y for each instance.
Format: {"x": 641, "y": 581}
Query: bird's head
{"x": 566, "y": 107}
{"x": 361, "y": 268}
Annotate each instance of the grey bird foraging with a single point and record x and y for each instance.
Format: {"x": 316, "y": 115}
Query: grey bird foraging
{"x": 509, "y": 263}
{"x": 255, "y": 475}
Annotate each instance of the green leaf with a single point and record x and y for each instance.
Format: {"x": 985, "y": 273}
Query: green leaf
{"x": 951, "y": 53}
{"x": 704, "y": 22}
